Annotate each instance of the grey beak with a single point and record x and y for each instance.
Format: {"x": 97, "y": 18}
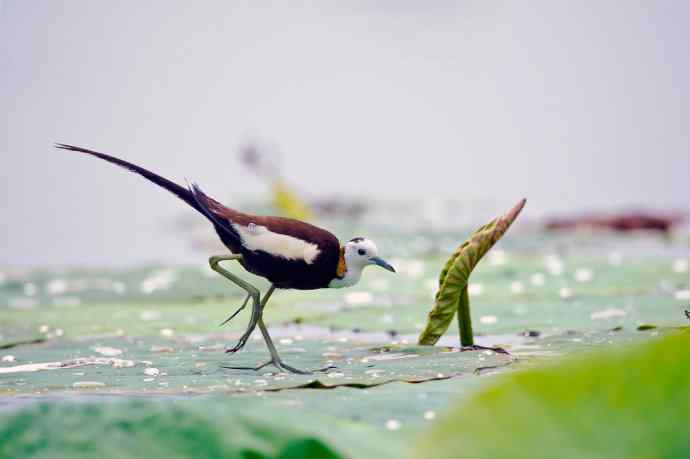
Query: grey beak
{"x": 382, "y": 263}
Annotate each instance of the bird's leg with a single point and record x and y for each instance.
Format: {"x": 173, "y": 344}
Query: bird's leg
{"x": 258, "y": 306}
{"x": 275, "y": 358}
{"x": 252, "y": 292}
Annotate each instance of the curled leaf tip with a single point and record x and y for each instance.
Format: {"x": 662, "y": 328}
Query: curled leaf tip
{"x": 510, "y": 216}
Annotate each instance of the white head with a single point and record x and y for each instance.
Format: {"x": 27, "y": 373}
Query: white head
{"x": 359, "y": 253}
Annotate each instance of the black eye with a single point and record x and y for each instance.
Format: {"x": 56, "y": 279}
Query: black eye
{"x": 361, "y": 251}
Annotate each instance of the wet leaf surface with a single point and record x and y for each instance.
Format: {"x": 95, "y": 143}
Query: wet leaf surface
{"x": 195, "y": 365}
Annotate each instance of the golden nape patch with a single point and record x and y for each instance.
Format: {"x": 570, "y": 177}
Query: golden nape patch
{"x": 340, "y": 272}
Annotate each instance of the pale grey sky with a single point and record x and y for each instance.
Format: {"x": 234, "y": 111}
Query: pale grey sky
{"x": 574, "y": 104}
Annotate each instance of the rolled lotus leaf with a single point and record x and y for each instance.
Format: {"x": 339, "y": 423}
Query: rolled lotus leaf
{"x": 452, "y": 294}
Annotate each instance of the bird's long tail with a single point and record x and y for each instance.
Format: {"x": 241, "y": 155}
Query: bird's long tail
{"x": 198, "y": 200}
{"x": 183, "y": 193}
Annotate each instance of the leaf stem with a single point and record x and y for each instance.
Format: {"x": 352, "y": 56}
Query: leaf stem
{"x": 465, "y": 319}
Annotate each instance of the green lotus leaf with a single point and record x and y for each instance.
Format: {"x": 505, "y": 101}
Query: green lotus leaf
{"x": 161, "y": 429}
{"x": 626, "y": 403}
{"x": 151, "y": 366}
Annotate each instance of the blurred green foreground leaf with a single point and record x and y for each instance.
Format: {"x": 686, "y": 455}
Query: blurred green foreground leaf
{"x": 633, "y": 403}
{"x": 199, "y": 428}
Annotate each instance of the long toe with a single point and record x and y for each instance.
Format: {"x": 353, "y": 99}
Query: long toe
{"x": 263, "y": 365}
{"x": 240, "y": 344}
{"x": 232, "y": 316}
{"x": 325, "y": 369}
{"x": 238, "y": 368}
{"x": 278, "y": 364}
{"x": 235, "y": 348}
{"x": 287, "y": 368}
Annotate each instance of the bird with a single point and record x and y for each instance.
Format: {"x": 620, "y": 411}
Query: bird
{"x": 289, "y": 253}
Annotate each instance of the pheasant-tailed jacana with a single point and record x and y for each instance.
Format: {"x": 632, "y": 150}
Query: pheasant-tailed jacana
{"x": 289, "y": 253}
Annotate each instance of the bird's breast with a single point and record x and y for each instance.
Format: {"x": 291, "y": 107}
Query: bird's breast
{"x": 291, "y": 273}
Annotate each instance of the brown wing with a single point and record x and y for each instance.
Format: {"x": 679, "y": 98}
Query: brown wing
{"x": 227, "y": 219}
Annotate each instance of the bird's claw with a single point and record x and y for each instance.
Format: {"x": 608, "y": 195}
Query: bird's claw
{"x": 240, "y": 344}
{"x": 242, "y": 341}
{"x": 282, "y": 367}
{"x": 276, "y": 363}
{"x": 288, "y": 369}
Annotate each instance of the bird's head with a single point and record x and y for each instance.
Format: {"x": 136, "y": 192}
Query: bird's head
{"x": 361, "y": 252}
{"x": 358, "y": 253}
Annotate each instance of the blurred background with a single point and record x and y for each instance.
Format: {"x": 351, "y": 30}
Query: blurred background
{"x": 438, "y": 112}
